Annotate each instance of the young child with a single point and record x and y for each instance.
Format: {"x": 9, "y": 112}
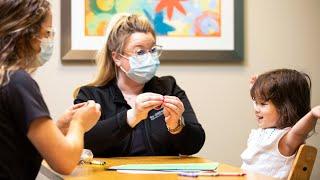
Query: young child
{"x": 282, "y": 109}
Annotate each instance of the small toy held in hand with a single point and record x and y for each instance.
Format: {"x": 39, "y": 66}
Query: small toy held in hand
{"x": 160, "y": 106}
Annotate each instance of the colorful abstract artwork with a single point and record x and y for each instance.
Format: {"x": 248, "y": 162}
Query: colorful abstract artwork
{"x": 172, "y": 18}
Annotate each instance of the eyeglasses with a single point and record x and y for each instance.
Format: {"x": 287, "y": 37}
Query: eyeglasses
{"x": 50, "y": 33}
{"x": 155, "y": 51}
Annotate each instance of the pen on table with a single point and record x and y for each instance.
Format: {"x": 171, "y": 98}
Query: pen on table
{"x": 196, "y": 174}
{"x": 97, "y": 162}
{"x": 230, "y": 173}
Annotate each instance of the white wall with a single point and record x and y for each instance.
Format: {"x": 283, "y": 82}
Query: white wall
{"x": 278, "y": 34}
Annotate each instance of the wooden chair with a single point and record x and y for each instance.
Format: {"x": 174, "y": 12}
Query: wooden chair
{"x": 303, "y": 163}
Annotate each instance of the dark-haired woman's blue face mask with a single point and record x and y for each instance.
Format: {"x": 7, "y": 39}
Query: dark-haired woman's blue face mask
{"x": 46, "y": 39}
{"x": 47, "y": 46}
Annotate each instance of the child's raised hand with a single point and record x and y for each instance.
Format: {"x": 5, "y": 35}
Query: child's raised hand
{"x": 252, "y": 80}
{"x": 316, "y": 112}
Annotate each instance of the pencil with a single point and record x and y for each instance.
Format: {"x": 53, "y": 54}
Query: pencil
{"x": 230, "y": 174}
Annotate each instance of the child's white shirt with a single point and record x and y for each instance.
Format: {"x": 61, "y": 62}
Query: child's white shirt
{"x": 262, "y": 154}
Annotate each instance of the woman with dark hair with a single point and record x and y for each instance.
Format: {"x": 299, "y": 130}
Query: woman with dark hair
{"x": 27, "y": 133}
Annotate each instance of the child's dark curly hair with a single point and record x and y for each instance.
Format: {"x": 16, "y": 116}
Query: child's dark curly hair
{"x": 288, "y": 90}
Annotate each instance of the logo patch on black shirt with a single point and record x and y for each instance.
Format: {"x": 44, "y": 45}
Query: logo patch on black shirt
{"x": 156, "y": 115}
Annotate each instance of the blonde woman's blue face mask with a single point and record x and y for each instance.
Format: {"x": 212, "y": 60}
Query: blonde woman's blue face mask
{"x": 143, "y": 67}
{"x": 142, "y": 56}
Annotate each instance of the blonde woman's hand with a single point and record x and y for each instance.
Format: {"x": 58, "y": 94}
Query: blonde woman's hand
{"x": 63, "y": 122}
{"x": 173, "y": 109}
{"x": 316, "y": 112}
{"x": 88, "y": 115}
{"x": 143, "y": 104}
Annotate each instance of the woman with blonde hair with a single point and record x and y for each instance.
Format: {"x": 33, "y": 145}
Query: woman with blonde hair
{"x": 142, "y": 114}
{"x": 27, "y": 133}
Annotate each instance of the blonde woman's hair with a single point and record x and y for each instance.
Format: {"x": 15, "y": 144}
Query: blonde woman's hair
{"x": 119, "y": 29}
{"x": 20, "y": 22}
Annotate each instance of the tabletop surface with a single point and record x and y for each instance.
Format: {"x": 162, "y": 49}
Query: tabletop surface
{"x": 86, "y": 171}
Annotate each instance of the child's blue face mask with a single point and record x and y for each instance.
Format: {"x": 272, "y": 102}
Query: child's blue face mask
{"x": 142, "y": 68}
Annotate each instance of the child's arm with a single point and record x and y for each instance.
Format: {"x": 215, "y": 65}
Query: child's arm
{"x": 290, "y": 142}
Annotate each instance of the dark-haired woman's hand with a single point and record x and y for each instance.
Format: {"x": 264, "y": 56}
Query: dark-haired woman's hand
{"x": 87, "y": 115}
{"x": 64, "y": 121}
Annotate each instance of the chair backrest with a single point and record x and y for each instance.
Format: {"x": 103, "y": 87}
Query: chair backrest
{"x": 303, "y": 163}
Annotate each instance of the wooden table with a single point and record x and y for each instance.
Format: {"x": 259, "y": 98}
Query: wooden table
{"x": 98, "y": 172}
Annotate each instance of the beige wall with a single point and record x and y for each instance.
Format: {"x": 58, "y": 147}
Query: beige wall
{"x": 278, "y": 33}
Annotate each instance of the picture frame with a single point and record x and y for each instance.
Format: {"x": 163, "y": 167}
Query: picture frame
{"x": 233, "y": 51}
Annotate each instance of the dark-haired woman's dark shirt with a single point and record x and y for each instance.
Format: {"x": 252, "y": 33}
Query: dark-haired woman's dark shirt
{"x": 21, "y": 103}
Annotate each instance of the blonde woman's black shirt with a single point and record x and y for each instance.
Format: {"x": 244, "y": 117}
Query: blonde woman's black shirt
{"x": 21, "y": 103}
{"x": 112, "y": 136}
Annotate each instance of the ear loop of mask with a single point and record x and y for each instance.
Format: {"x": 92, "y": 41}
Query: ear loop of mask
{"x": 123, "y": 69}
{"x": 121, "y": 66}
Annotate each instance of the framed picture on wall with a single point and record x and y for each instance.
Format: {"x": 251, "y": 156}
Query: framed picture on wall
{"x": 192, "y": 30}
